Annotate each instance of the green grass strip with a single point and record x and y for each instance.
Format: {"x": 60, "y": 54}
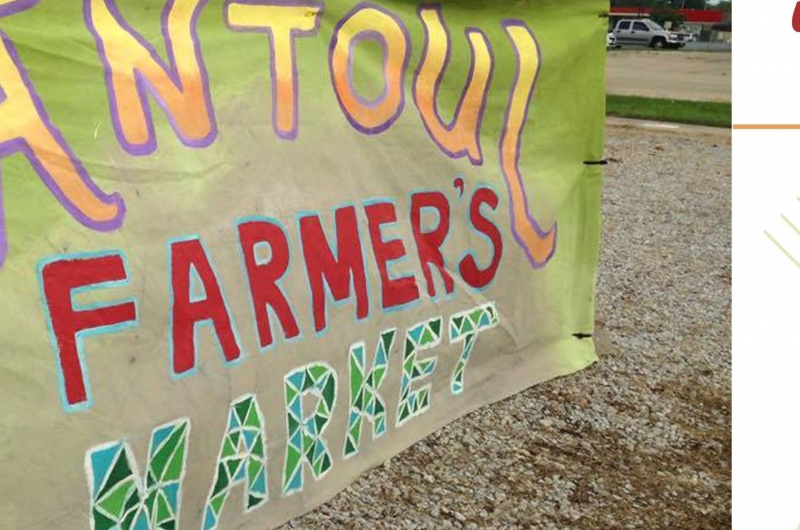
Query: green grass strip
{"x": 670, "y": 110}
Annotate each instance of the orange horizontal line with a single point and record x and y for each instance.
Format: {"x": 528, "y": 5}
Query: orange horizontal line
{"x": 767, "y": 126}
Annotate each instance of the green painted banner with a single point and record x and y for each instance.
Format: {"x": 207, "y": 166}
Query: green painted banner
{"x": 252, "y": 248}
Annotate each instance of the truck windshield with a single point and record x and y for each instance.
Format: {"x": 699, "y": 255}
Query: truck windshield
{"x": 655, "y": 26}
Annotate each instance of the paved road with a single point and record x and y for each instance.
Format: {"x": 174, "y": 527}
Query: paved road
{"x": 708, "y": 47}
{"x": 701, "y": 76}
{"x": 614, "y": 123}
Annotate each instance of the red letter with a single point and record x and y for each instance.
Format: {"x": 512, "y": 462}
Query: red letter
{"x": 429, "y": 243}
{"x": 67, "y": 325}
{"x": 336, "y": 271}
{"x": 796, "y": 17}
{"x": 264, "y": 277}
{"x": 188, "y": 311}
{"x": 398, "y": 291}
{"x": 468, "y": 267}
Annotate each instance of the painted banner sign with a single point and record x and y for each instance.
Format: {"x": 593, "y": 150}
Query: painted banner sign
{"x": 252, "y": 248}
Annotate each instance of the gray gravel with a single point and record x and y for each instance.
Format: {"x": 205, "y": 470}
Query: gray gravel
{"x": 640, "y": 440}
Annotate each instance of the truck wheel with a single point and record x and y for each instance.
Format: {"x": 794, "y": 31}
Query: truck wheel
{"x": 657, "y": 43}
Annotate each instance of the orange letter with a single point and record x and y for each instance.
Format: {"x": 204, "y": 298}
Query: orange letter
{"x": 281, "y": 23}
{"x": 538, "y": 244}
{"x": 462, "y": 136}
{"x": 25, "y": 127}
{"x": 133, "y": 69}
{"x": 369, "y": 21}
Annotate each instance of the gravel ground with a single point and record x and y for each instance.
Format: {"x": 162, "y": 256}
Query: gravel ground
{"x": 640, "y": 440}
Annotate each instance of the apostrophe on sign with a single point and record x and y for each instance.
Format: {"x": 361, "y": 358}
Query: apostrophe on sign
{"x": 458, "y": 183}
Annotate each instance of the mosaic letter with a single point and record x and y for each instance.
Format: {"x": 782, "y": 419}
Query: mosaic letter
{"x": 242, "y": 459}
{"x": 423, "y": 336}
{"x": 304, "y": 441}
{"x": 464, "y": 327}
{"x": 364, "y": 398}
{"x": 118, "y": 500}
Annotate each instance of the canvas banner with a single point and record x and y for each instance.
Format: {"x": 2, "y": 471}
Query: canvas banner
{"x": 252, "y": 248}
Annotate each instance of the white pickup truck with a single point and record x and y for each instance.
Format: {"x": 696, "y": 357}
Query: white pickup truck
{"x": 647, "y": 33}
